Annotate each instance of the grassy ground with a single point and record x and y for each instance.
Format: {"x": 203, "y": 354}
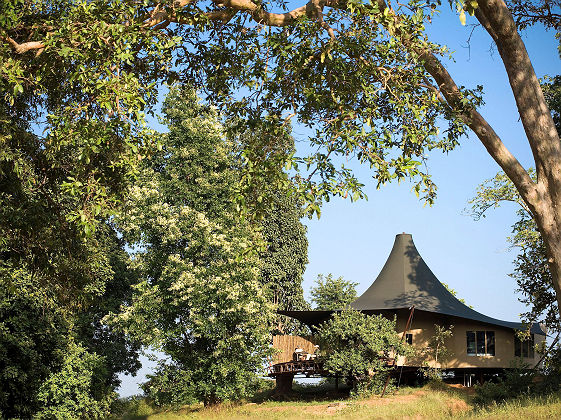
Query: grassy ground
{"x": 429, "y": 402}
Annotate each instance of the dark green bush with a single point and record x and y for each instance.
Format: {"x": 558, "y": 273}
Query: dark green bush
{"x": 360, "y": 348}
{"x": 169, "y": 386}
{"x": 77, "y": 390}
{"x": 519, "y": 380}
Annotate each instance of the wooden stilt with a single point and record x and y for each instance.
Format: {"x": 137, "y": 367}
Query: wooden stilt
{"x": 284, "y": 383}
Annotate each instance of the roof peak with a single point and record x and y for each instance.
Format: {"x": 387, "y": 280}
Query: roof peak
{"x": 406, "y": 280}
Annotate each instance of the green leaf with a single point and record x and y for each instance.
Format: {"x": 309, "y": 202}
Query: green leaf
{"x": 463, "y": 17}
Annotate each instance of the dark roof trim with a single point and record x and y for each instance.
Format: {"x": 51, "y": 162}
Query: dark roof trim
{"x": 314, "y": 318}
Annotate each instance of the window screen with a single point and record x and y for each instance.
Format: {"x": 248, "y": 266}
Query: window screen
{"x": 470, "y": 343}
{"x": 480, "y": 343}
{"x": 524, "y": 348}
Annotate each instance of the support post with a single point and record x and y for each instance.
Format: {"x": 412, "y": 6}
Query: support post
{"x": 284, "y": 383}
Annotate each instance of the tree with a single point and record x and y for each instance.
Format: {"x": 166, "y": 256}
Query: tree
{"x": 32, "y": 338}
{"x": 45, "y": 343}
{"x": 363, "y": 75}
{"x": 531, "y": 269}
{"x": 359, "y": 347}
{"x": 284, "y": 259}
{"x": 436, "y": 351}
{"x": 332, "y": 293}
{"x": 200, "y": 300}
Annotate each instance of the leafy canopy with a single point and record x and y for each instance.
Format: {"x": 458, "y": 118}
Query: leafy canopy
{"x": 352, "y": 72}
{"x": 45, "y": 344}
{"x": 331, "y": 293}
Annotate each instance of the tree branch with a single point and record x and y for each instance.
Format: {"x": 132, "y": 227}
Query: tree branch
{"x": 25, "y": 46}
{"x": 492, "y": 142}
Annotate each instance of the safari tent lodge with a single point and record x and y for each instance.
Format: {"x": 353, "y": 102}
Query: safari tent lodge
{"x": 408, "y": 289}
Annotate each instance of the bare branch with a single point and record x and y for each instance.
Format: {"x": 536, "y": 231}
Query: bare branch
{"x": 25, "y": 46}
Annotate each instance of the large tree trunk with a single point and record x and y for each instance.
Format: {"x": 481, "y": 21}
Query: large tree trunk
{"x": 550, "y": 230}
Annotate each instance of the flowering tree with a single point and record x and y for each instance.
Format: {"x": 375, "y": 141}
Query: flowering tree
{"x": 200, "y": 301}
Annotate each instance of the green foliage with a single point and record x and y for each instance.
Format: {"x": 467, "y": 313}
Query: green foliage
{"x": 35, "y": 326}
{"x": 119, "y": 352}
{"x": 200, "y": 300}
{"x": 360, "y": 347}
{"x": 170, "y": 386}
{"x": 78, "y": 389}
{"x": 332, "y": 293}
{"x": 551, "y": 87}
{"x": 364, "y": 94}
{"x": 518, "y": 380}
{"x": 72, "y": 128}
{"x": 284, "y": 259}
{"x": 86, "y": 90}
{"x": 32, "y": 341}
{"x": 437, "y": 352}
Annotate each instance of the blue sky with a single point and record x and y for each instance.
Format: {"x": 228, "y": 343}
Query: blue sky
{"x": 353, "y": 240}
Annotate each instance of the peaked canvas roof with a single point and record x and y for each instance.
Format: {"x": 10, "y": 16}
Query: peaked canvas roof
{"x": 406, "y": 280}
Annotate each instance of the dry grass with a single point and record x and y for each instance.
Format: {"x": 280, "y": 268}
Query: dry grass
{"x": 548, "y": 407}
{"x": 429, "y": 402}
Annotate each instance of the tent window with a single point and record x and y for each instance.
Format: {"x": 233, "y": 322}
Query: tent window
{"x": 480, "y": 343}
{"x": 490, "y": 343}
{"x": 470, "y": 343}
{"x": 524, "y": 348}
{"x": 409, "y": 338}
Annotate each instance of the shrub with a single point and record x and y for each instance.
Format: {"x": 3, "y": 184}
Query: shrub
{"x": 359, "y": 347}
{"x": 78, "y": 389}
{"x": 169, "y": 386}
{"x": 517, "y": 381}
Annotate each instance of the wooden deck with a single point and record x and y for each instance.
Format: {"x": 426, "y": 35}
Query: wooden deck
{"x": 301, "y": 367}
